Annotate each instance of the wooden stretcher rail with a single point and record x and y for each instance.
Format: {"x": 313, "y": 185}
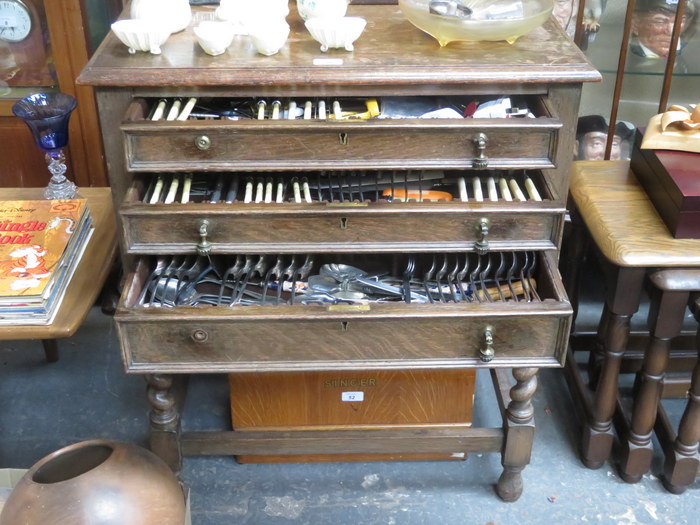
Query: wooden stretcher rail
{"x": 343, "y": 441}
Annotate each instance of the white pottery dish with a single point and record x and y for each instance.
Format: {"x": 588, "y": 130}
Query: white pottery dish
{"x": 336, "y": 32}
{"x": 241, "y": 13}
{"x": 322, "y": 8}
{"x": 176, "y": 13}
{"x": 141, "y": 35}
{"x": 269, "y": 36}
{"x": 214, "y": 37}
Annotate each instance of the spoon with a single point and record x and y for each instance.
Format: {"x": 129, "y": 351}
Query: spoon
{"x": 325, "y": 284}
{"x": 341, "y": 272}
{"x": 348, "y": 275}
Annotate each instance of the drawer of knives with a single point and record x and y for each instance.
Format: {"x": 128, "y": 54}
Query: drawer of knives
{"x": 409, "y": 132}
{"x": 267, "y": 312}
{"x": 340, "y": 211}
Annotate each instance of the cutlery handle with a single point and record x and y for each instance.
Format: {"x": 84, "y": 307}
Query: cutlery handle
{"x": 518, "y": 288}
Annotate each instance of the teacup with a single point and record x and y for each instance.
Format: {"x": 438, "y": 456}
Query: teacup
{"x": 268, "y": 36}
{"x": 336, "y": 32}
{"x": 240, "y": 13}
{"x": 322, "y": 8}
{"x": 141, "y": 35}
{"x": 214, "y": 37}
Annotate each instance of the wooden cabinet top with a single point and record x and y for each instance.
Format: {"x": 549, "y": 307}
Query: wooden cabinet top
{"x": 390, "y": 51}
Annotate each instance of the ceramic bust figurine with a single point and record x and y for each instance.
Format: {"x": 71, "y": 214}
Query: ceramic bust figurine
{"x": 177, "y": 13}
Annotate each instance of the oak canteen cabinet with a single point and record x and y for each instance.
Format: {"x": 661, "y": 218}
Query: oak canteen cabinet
{"x": 302, "y": 214}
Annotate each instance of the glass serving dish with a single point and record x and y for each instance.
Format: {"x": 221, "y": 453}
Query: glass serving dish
{"x": 451, "y": 20}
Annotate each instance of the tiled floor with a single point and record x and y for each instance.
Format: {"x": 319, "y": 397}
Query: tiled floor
{"x": 87, "y": 395}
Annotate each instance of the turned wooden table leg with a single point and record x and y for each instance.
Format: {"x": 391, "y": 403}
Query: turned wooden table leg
{"x": 596, "y": 356}
{"x": 665, "y": 320}
{"x": 50, "y": 349}
{"x": 681, "y": 465}
{"x": 519, "y": 426}
{"x": 622, "y": 301}
{"x": 164, "y": 419}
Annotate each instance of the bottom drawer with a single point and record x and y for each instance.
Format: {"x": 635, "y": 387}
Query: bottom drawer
{"x": 288, "y": 401}
{"x": 453, "y": 319}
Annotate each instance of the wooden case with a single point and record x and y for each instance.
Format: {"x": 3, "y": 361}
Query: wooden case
{"x": 672, "y": 181}
{"x": 392, "y": 58}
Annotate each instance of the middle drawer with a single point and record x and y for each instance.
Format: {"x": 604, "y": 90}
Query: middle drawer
{"x": 341, "y": 211}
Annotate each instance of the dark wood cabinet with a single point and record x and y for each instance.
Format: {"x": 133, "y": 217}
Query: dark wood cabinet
{"x": 466, "y": 253}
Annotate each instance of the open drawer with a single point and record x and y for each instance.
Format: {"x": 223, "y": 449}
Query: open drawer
{"x": 233, "y": 136}
{"x": 296, "y": 312}
{"x": 341, "y": 211}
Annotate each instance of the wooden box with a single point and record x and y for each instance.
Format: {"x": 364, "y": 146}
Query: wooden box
{"x": 672, "y": 181}
{"x": 286, "y": 401}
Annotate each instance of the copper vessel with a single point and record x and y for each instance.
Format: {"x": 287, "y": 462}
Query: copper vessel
{"x": 97, "y": 482}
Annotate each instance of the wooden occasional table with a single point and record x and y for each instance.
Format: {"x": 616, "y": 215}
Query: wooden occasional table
{"x": 631, "y": 236}
{"x": 88, "y": 279}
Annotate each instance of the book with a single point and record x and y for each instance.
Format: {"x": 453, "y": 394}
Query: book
{"x": 41, "y": 243}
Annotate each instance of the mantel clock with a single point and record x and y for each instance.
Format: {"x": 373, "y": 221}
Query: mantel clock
{"x": 23, "y": 46}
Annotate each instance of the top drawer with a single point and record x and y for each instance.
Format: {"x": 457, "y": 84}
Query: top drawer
{"x": 210, "y": 138}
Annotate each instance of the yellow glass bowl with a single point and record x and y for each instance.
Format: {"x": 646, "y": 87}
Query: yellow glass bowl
{"x": 474, "y": 20}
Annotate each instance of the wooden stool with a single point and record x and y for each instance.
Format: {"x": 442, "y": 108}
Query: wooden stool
{"x": 632, "y": 238}
{"x": 670, "y": 293}
{"x": 682, "y": 457}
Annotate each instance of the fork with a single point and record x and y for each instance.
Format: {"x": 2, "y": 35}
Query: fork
{"x": 407, "y": 274}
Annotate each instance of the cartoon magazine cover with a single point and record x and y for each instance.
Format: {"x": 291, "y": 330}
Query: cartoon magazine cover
{"x": 35, "y": 242}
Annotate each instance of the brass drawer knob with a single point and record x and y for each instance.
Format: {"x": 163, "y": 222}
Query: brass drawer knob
{"x": 481, "y": 245}
{"x": 481, "y": 160}
{"x": 199, "y": 335}
{"x": 487, "y": 353}
{"x": 202, "y": 142}
{"x": 204, "y": 246}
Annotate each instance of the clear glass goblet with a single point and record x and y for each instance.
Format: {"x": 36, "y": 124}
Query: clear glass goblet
{"x": 47, "y": 116}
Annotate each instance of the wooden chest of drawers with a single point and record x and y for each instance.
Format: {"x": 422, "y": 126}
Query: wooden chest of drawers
{"x": 465, "y": 280}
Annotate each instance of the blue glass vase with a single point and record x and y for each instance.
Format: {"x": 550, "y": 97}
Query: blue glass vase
{"x": 47, "y": 116}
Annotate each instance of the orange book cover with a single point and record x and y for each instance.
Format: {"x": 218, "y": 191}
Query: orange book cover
{"x": 34, "y": 236}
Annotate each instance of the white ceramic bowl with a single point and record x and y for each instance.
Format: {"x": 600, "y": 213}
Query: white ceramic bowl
{"x": 268, "y": 36}
{"x": 141, "y": 35}
{"x": 336, "y": 32}
{"x": 214, "y": 37}
{"x": 176, "y": 13}
{"x": 322, "y": 8}
{"x": 241, "y": 13}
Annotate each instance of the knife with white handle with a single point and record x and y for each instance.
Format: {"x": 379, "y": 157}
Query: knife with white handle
{"x": 532, "y": 190}
{"x": 478, "y": 193}
{"x": 174, "y": 110}
{"x": 462, "y": 183}
{"x": 515, "y": 188}
{"x": 189, "y": 106}
{"x": 491, "y": 185}
{"x": 505, "y": 191}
